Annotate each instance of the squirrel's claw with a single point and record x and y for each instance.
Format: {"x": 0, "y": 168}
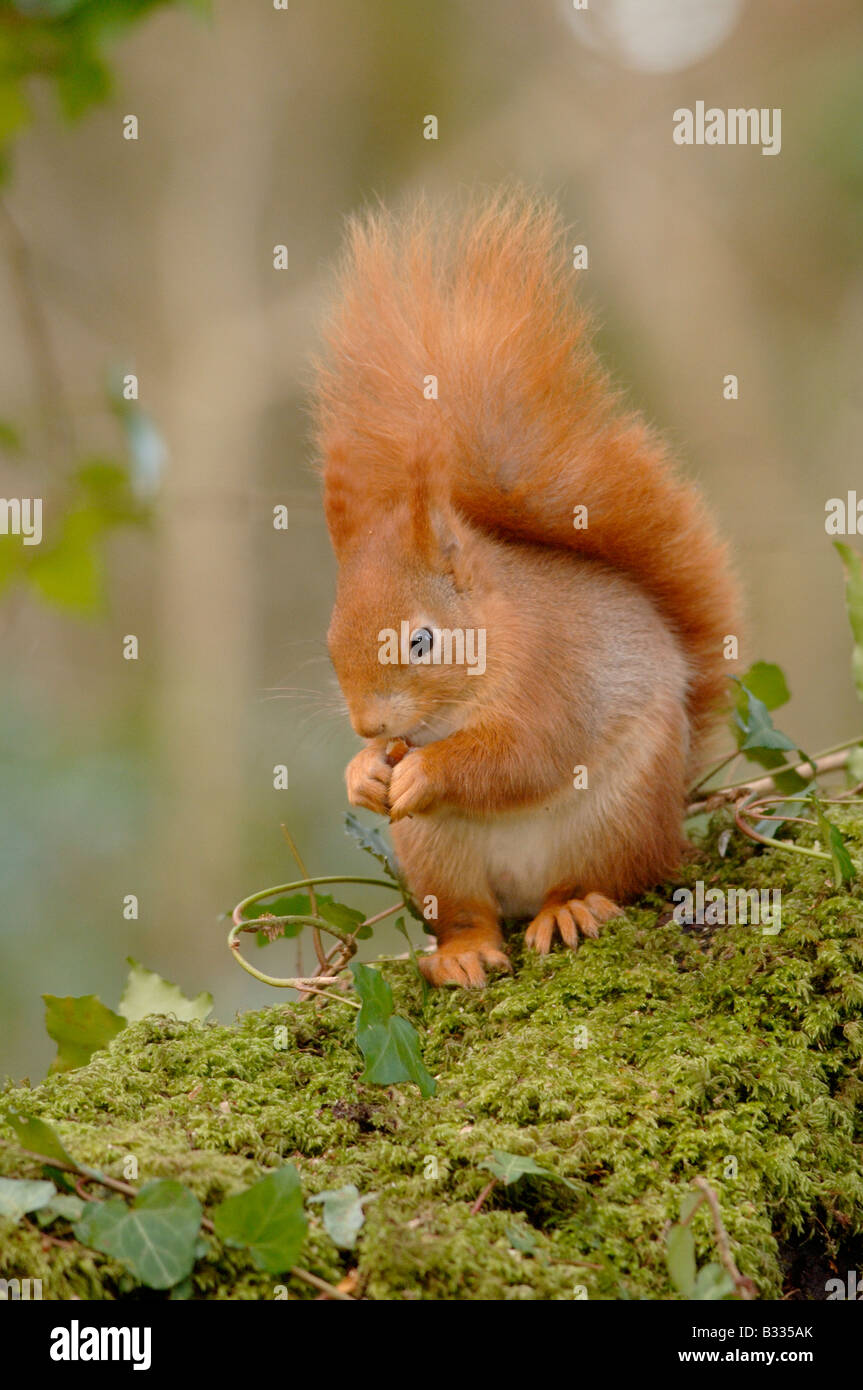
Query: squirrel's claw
{"x": 368, "y": 780}
{"x": 450, "y": 966}
{"x": 411, "y": 789}
{"x": 573, "y": 919}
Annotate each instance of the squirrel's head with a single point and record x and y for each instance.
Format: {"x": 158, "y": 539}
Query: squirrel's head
{"x": 406, "y": 637}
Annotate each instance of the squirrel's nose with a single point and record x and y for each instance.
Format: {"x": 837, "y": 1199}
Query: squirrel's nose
{"x": 368, "y": 723}
{"x": 368, "y": 730}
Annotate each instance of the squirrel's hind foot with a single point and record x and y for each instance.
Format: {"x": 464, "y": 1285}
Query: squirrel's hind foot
{"x": 572, "y": 918}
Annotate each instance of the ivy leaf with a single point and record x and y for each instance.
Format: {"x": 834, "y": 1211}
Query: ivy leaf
{"x": 79, "y": 1027}
{"x": 851, "y": 563}
{"x": 767, "y": 682}
{"x": 20, "y": 1195}
{"x": 764, "y": 688}
{"x": 65, "y": 1205}
{"x": 713, "y": 1282}
{"x": 392, "y": 1054}
{"x": 523, "y": 1241}
{"x": 373, "y": 842}
{"x": 268, "y": 1218}
{"x": 855, "y": 766}
{"x": 757, "y": 726}
{"x": 147, "y": 993}
{"x": 843, "y": 868}
{"x": 376, "y": 997}
{"x": 390, "y": 1045}
{"x": 343, "y": 1214}
{"x": 298, "y": 905}
{"x": 154, "y": 1237}
{"x": 509, "y": 1168}
{"x": 345, "y": 918}
{"x": 680, "y": 1257}
{"x": 37, "y": 1137}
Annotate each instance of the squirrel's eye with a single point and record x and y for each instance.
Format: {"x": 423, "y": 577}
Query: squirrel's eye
{"x": 421, "y": 643}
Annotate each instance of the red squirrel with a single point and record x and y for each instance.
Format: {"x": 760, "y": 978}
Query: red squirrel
{"x": 482, "y": 477}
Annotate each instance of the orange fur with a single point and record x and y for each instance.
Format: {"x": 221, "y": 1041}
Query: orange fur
{"x": 527, "y": 425}
{"x": 605, "y": 644}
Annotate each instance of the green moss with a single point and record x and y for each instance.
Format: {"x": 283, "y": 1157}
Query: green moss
{"x": 701, "y": 1048}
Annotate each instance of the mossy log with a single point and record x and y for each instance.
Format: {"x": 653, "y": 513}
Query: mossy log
{"x": 654, "y": 1055}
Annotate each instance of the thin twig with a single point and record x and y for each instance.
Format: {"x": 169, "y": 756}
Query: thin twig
{"x": 829, "y": 762}
{"x": 487, "y": 1190}
{"x": 744, "y": 1286}
{"x": 313, "y": 903}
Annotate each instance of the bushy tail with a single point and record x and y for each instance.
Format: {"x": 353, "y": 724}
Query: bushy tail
{"x": 456, "y": 349}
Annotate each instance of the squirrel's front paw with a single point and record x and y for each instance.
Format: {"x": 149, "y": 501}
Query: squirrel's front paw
{"x": 411, "y": 787}
{"x": 464, "y": 959}
{"x": 368, "y": 779}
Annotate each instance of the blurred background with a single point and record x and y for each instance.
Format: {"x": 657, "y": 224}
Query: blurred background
{"x": 260, "y": 126}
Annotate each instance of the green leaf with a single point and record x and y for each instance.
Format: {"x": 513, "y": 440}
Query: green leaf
{"x": 713, "y": 1283}
{"x": 680, "y": 1256}
{"x": 343, "y": 1214}
{"x": 10, "y": 438}
{"x": 523, "y": 1241}
{"x": 37, "y": 1137}
{"x": 689, "y": 1203}
{"x": 373, "y": 842}
{"x": 757, "y": 726}
{"x": 390, "y": 1045}
{"x": 345, "y": 918}
{"x": 20, "y": 1195}
{"x": 268, "y": 1218}
{"x": 82, "y": 83}
{"x": 855, "y": 765}
{"x": 767, "y": 683}
{"x": 508, "y": 1168}
{"x": 104, "y": 490}
{"x": 392, "y": 1054}
{"x": 843, "y": 868}
{"x": 853, "y": 567}
{"x": 79, "y": 1027}
{"x": 65, "y": 1205}
{"x": 146, "y": 993}
{"x": 70, "y": 574}
{"x": 376, "y": 997}
{"x": 154, "y": 1237}
{"x": 14, "y": 108}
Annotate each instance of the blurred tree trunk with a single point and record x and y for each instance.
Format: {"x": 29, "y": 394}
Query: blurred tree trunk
{"x": 216, "y": 379}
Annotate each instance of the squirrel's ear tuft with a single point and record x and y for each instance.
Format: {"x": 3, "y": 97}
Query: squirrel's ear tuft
{"x": 446, "y": 540}
{"x": 447, "y": 547}
{"x": 344, "y": 501}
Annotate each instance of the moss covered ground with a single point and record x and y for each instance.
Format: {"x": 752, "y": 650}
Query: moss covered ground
{"x": 702, "y": 1047}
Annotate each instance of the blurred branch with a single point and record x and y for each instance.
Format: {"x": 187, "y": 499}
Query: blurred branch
{"x": 54, "y": 406}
